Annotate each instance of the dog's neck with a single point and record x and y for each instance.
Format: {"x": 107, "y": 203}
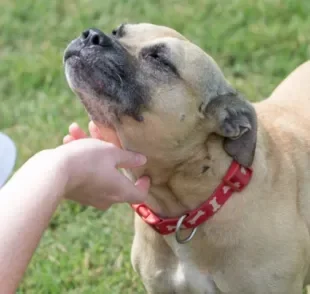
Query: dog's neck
{"x": 183, "y": 185}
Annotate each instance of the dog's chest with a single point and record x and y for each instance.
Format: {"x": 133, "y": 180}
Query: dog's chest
{"x": 187, "y": 278}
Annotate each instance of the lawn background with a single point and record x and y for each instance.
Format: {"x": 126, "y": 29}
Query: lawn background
{"x": 257, "y": 43}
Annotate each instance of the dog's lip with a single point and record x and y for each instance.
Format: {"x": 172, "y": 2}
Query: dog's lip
{"x": 70, "y": 53}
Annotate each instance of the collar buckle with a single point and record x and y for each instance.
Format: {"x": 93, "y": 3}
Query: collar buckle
{"x": 146, "y": 214}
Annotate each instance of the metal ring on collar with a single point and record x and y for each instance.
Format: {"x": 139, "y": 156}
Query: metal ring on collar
{"x": 178, "y": 228}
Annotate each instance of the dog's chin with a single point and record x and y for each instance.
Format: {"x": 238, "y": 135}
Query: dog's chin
{"x": 101, "y": 107}
{"x": 82, "y": 77}
{"x": 107, "y": 90}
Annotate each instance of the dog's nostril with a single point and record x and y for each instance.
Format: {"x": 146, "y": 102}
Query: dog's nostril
{"x": 85, "y": 34}
{"x": 95, "y": 40}
{"x": 95, "y": 37}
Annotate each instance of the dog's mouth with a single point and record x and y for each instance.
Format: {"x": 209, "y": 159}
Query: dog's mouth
{"x": 104, "y": 75}
{"x": 71, "y": 53}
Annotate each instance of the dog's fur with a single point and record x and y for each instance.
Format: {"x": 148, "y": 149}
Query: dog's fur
{"x": 168, "y": 99}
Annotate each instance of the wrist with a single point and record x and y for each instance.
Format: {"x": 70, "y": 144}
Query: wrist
{"x": 42, "y": 178}
{"x": 68, "y": 166}
{"x": 54, "y": 165}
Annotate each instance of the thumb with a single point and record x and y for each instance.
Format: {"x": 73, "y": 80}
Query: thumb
{"x": 143, "y": 184}
{"x": 130, "y": 193}
{"x": 128, "y": 159}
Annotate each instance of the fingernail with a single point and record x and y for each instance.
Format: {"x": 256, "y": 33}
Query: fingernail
{"x": 140, "y": 159}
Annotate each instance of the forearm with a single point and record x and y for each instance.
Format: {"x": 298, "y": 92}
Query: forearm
{"x": 27, "y": 203}
{"x": 84, "y": 171}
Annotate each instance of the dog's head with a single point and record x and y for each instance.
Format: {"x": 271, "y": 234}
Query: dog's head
{"x": 159, "y": 91}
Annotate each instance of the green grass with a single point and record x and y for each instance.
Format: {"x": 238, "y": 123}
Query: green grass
{"x": 257, "y": 43}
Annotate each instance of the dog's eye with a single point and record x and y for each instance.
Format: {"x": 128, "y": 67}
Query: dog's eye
{"x": 158, "y": 56}
{"x": 155, "y": 56}
{"x": 119, "y": 32}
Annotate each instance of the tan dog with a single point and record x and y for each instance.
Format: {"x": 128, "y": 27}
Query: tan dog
{"x": 168, "y": 99}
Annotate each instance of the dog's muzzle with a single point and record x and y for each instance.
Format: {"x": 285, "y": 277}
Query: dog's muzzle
{"x": 89, "y": 38}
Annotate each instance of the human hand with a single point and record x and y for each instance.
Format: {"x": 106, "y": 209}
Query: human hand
{"x": 83, "y": 170}
{"x": 106, "y": 134}
{"x": 93, "y": 178}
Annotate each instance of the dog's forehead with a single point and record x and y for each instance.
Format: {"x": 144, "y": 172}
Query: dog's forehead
{"x": 193, "y": 64}
{"x": 137, "y": 36}
{"x": 145, "y": 32}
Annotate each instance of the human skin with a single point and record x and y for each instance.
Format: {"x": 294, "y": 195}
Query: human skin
{"x": 84, "y": 170}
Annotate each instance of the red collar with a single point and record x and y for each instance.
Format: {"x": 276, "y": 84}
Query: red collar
{"x": 236, "y": 178}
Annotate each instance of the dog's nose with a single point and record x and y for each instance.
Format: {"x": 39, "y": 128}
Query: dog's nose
{"x": 95, "y": 37}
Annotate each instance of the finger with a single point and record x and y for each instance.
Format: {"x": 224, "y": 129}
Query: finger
{"x": 76, "y": 132}
{"x": 143, "y": 184}
{"x": 130, "y": 193}
{"x": 94, "y": 131}
{"x": 108, "y": 134}
{"x": 127, "y": 159}
{"x": 67, "y": 139}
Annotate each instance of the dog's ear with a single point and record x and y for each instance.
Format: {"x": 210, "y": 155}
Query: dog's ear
{"x": 235, "y": 119}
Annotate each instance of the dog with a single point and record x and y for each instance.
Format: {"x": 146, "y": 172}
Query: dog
{"x": 168, "y": 99}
